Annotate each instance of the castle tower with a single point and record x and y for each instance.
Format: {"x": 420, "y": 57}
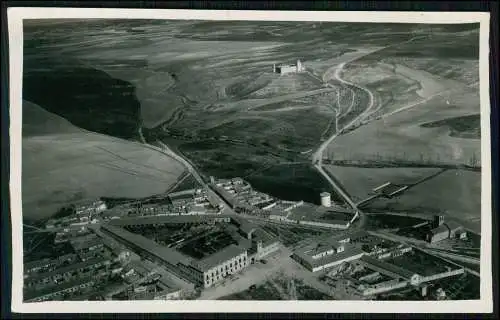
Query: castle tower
{"x": 438, "y": 220}
{"x": 300, "y": 68}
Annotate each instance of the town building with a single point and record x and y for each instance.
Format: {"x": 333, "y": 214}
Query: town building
{"x": 208, "y": 270}
{"x": 289, "y": 68}
{"x": 413, "y": 278}
{"x": 321, "y": 216}
{"x": 86, "y": 208}
{"x": 95, "y": 267}
{"x": 204, "y": 272}
{"x": 58, "y": 292}
{"x": 261, "y": 243}
{"x": 442, "y": 230}
{"x": 329, "y": 253}
{"x": 46, "y": 265}
{"x": 88, "y": 247}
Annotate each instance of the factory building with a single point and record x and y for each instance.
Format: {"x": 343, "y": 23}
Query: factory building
{"x": 289, "y": 68}
{"x": 326, "y": 199}
{"x": 445, "y": 230}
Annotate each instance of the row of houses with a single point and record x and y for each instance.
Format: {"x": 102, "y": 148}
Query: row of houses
{"x": 48, "y": 264}
{"x": 95, "y": 267}
{"x": 58, "y": 292}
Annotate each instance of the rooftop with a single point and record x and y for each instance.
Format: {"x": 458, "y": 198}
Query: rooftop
{"x": 404, "y": 273}
{"x": 218, "y": 257}
{"x": 68, "y": 268}
{"x": 165, "y": 219}
{"x": 164, "y": 253}
{"x": 31, "y": 294}
{"x": 348, "y": 252}
{"x": 266, "y": 238}
{"x": 453, "y": 226}
{"x": 441, "y": 229}
{"x": 356, "y": 235}
{"x": 37, "y": 263}
{"x": 81, "y": 244}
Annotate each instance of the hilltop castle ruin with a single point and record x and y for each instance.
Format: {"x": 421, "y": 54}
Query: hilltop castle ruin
{"x": 289, "y": 68}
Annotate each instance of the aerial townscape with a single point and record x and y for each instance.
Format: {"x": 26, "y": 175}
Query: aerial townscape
{"x": 184, "y": 160}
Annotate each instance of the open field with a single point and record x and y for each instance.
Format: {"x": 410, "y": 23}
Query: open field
{"x": 360, "y": 182}
{"x": 206, "y": 80}
{"x": 410, "y": 95}
{"x": 461, "y": 127}
{"x": 60, "y": 167}
{"x": 401, "y": 138}
{"x": 391, "y": 222}
{"x": 455, "y": 193}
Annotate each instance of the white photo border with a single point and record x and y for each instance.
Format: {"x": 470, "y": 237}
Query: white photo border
{"x": 15, "y": 17}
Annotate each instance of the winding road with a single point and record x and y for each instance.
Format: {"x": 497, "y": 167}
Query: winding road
{"x": 317, "y": 158}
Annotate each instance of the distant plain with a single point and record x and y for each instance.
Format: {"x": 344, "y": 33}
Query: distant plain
{"x": 207, "y": 87}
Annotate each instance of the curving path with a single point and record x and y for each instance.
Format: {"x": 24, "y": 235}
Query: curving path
{"x": 317, "y": 158}
{"x": 318, "y": 155}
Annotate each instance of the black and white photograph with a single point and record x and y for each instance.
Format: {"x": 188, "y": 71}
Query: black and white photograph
{"x": 237, "y": 158}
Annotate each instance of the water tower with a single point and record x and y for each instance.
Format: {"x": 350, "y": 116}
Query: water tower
{"x": 326, "y": 200}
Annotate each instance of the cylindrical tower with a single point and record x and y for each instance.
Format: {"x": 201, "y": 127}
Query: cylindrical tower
{"x": 326, "y": 199}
